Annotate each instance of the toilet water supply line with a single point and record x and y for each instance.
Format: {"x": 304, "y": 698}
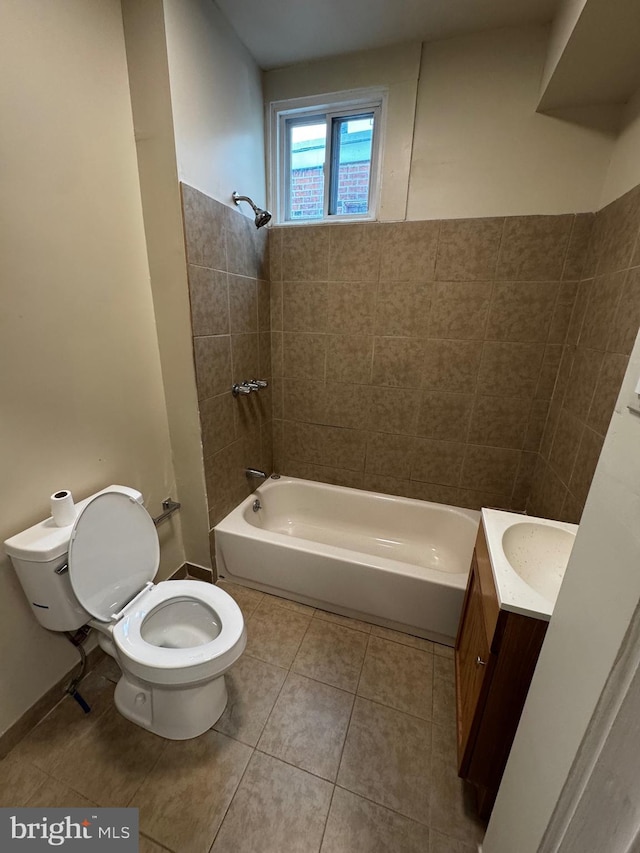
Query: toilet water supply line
{"x": 77, "y": 640}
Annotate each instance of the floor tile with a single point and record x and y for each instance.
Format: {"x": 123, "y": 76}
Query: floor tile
{"x": 270, "y": 601}
{"x": 356, "y": 825}
{"x": 444, "y": 844}
{"x": 253, "y": 686}
{"x": 146, "y": 845}
{"x": 108, "y": 762}
{"x": 19, "y": 781}
{"x": 403, "y": 639}
{"x": 452, "y": 805}
{"x": 397, "y": 790}
{"x": 184, "y": 798}
{"x": 55, "y": 795}
{"x": 398, "y": 676}
{"x": 246, "y": 598}
{"x": 308, "y": 725}
{"x": 444, "y": 691}
{"x": 345, "y": 621}
{"x": 332, "y": 654}
{"x": 277, "y": 808}
{"x": 51, "y": 740}
{"x": 274, "y": 634}
{"x": 387, "y": 759}
{"x": 108, "y": 668}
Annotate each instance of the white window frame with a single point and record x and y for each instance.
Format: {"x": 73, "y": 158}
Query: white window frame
{"x": 329, "y": 106}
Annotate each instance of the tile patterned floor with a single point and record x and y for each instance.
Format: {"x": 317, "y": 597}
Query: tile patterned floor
{"x": 339, "y": 737}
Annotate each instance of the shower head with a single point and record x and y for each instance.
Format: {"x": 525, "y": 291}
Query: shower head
{"x": 262, "y": 216}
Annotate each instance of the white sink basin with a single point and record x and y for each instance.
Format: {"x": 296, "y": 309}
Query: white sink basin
{"x": 528, "y": 557}
{"x": 539, "y": 554}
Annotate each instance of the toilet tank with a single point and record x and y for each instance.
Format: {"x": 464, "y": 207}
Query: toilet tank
{"x": 39, "y": 556}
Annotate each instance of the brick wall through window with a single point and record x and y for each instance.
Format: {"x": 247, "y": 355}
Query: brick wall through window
{"x": 307, "y": 190}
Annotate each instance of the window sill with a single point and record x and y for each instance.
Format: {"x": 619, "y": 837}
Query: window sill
{"x": 346, "y": 220}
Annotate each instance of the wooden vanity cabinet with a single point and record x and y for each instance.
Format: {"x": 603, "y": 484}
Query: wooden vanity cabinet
{"x": 496, "y": 653}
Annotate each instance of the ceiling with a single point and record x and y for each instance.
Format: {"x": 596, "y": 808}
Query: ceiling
{"x": 283, "y": 32}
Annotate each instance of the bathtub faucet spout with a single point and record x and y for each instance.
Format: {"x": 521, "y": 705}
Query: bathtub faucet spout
{"x": 255, "y": 474}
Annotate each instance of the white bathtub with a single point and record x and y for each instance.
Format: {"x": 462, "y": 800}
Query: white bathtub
{"x": 392, "y": 561}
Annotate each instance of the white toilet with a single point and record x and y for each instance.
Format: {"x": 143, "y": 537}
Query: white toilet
{"x": 173, "y": 641}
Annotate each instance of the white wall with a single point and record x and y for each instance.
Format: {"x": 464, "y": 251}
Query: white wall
{"x": 598, "y": 597}
{"x": 477, "y": 147}
{"x": 153, "y": 122}
{"x": 624, "y": 169}
{"x": 216, "y": 90}
{"x": 82, "y": 398}
{"x": 395, "y": 68}
{"x": 480, "y": 148}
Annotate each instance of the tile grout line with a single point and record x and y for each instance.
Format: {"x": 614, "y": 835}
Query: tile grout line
{"x": 315, "y": 680}
{"x": 156, "y": 842}
{"x": 326, "y": 821}
{"x": 385, "y": 807}
{"x": 346, "y": 736}
{"x": 339, "y": 624}
{"x": 254, "y": 749}
{"x": 289, "y": 671}
{"x": 343, "y": 689}
{"x": 568, "y": 246}
{"x": 237, "y": 788}
{"x": 294, "y": 766}
{"x": 476, "y": 388}
{"x": 343, "y": 787}
{"x": 151, "y": 769}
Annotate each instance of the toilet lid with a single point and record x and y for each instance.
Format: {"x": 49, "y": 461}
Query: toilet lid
{"x": 113, "y": 552}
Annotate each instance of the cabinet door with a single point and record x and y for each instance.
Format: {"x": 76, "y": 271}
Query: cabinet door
{"x": 473, "y": 665}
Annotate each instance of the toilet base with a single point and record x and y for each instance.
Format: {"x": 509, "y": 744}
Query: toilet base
{"x": 173, "y": 713}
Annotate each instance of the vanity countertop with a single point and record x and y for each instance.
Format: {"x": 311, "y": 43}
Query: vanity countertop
{"x": 528, "y": 558}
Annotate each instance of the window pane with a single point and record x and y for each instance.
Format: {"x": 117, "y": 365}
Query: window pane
{"x": 352, "y": 139}
{"x": 307, "y": 144}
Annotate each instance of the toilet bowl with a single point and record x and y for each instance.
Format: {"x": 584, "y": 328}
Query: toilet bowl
{"x": 173, "y": 640}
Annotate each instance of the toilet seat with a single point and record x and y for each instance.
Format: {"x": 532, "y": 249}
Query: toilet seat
{"x": 186, "y": 665}
{"x": 113, "y": 554}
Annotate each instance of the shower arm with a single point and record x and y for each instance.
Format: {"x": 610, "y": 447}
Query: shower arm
{"x": 238, "y": 198}
{"x": 262, "y": 216}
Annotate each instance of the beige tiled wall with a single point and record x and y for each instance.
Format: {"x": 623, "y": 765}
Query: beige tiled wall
{"x": 230, "y": 308}
{"x": 474, "y": 362}
{"x": 603, "y": 328}
{"x": 419, "y": 358}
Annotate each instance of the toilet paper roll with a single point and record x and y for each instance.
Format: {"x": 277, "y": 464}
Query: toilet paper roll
{"x": 63, "y": 509}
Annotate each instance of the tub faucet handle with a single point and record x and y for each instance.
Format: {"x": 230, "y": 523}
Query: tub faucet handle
{"x": 259, "y": 383}
{"x": 237, "y": 389}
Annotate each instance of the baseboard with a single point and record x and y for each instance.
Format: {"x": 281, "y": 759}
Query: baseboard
{"x": 180, "y": 574}
{"x": 39, "y": 710}
{"x": 191, "y": 570}
{"x": 199, "y": 572}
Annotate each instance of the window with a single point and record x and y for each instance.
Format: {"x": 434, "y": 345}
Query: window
{"x": 325, "y": 160}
